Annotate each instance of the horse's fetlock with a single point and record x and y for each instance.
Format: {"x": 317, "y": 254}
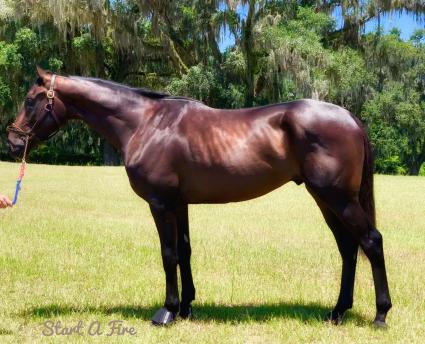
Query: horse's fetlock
{"x": 384, "y": 306}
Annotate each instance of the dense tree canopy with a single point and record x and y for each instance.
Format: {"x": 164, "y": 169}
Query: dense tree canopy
{"x": 282, "y": 50}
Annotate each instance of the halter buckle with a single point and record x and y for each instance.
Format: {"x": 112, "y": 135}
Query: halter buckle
{"x": 50, "y": 94}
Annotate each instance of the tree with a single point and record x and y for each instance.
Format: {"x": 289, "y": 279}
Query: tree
{"x": 356, "y": 14}
{"x": 396, "y": 113}
{"x": 20, "y": 49}
{"x": 396, "y": 122}
{"x": 283, "y": 50}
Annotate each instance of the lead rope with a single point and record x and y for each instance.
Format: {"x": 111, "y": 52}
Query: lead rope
{"x": 21, "y": 173}
{"x": 50, "y": 96}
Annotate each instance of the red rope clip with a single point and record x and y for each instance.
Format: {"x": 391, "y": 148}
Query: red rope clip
{"x": 22, "y": 171}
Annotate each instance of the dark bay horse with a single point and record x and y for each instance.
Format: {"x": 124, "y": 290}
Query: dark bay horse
{"x": 178, "y": 151}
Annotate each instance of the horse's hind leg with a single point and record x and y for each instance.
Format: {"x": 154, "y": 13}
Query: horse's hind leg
{"x": 348, "y": 247}
{"x": 351, "y": 214}
{"x": 184, "y": 253}
{"x": 371, "y": 242}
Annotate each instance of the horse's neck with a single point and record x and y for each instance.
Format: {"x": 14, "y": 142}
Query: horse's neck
{"x": 115, "y": 118}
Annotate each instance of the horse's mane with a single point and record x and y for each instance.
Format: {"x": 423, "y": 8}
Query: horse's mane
{"x": 136, "y": 91}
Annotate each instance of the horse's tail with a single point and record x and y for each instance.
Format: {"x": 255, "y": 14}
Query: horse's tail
{"x": 366, "y": 197}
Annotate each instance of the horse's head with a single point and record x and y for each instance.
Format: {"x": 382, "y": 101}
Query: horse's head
{"x": 40, "y": 116}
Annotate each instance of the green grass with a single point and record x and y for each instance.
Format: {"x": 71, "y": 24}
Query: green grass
{"x": 80, "y": 245}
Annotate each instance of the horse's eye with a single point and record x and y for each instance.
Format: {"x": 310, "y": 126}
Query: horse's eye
{"x": 29, "y": 102}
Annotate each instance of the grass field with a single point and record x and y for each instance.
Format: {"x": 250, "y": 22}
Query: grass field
{"x": 81, "y": 246}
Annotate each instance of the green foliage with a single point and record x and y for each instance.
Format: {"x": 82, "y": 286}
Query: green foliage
{"x": 396, "y": 121}
{"x": 10, "y": 71}
{"x": 390, "y": 165}
{"x": 27, "y": 40}
{"x": 85, "y": 148}
{"x": 236, "y": 94}
{"x": 291, "y": 52}
{"x": 55, "y": 65}
{"x": 310, "y": 21}
{"x": 84, "y": 42}
{"x": 350, "y": 80}
{"x": 10, "y": 58}
{"x": 422, "y": 170}
{"x": 200, "y": 82}
{"x": 283, "y": 50}
{"x": 234, "y": 65}
{"x": 5, "y": 95}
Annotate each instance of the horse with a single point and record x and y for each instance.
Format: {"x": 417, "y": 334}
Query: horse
{"x": 178, "y": 151}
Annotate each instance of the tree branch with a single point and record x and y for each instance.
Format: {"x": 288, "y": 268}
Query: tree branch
{"x": 174, "y": 55}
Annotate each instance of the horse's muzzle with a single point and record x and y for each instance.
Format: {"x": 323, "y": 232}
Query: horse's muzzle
{"x": 16, "y": 150}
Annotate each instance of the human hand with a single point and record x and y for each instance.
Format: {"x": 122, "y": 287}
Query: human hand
{"x": 5, "y": 202}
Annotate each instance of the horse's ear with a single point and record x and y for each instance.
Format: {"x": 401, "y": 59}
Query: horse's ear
{"x": 44, "y": 75}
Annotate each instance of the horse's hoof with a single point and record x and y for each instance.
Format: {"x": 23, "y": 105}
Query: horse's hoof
{"x": 186, "y": 312}
{"x": 163, "y": 317}
{"x": 379, "y": 324}
{"x": 334, "y": 318}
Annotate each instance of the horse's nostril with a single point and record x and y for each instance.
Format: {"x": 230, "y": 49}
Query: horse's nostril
{"x": 11, "y": 144}
{"x": 13, "y": 148}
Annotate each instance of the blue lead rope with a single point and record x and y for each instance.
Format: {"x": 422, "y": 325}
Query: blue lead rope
{"x": 18, "y": 188}
{"x": 21, "y": 174}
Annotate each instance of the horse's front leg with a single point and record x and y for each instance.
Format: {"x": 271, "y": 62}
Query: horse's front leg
{"x": 184, "y": 252}
{"x": 166, "y": 223}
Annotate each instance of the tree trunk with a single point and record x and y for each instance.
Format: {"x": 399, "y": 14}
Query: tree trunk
{"x": 248, "y": 47}
{"x": 416, "y": 160}
{"x": 212, "y": 42}
{"x": 414, "y": 169}
{"x": 175, "y": 57}
{"x": 110, "y": 155}
{"x": 415, "y": 164}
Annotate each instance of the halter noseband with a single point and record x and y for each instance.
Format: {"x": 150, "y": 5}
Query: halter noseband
{"x": 48, "y": 111}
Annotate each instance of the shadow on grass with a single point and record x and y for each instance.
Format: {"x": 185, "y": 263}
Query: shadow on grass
{"x": 204, "y": 312}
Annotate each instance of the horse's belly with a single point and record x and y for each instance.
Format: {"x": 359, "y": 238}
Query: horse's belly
{"x": 215, "y": 186}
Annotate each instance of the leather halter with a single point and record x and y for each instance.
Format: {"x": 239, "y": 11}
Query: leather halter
{"x": 49, "y": 110}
